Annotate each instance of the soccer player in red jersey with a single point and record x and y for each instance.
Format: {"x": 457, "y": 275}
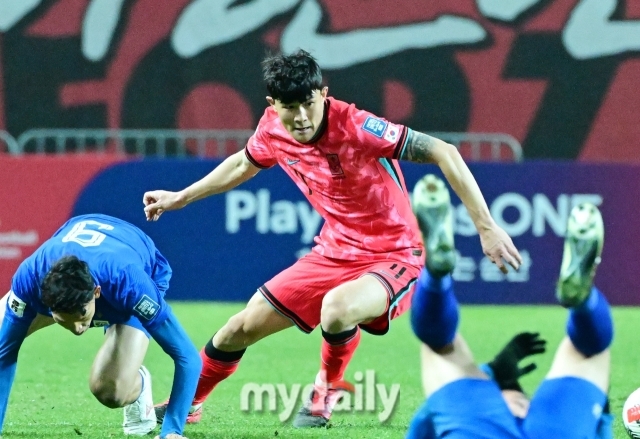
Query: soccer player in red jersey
{"x": 362, "y": 271}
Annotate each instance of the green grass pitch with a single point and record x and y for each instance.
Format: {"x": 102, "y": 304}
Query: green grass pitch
{"x": 51, "y": 398}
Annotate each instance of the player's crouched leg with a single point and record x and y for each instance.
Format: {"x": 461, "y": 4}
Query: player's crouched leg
{"x": 118, "y": 378}
{"x": 115, "y": 380}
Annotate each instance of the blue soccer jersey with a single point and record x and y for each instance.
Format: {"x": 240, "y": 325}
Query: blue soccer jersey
{"x": 567, "y": 408}
{"x": 121, "y": 259}
{"x": 133, "y": 276}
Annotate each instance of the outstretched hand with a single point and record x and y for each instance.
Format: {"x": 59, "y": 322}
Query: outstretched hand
{"x": 498, "y": 246}
{"x": 506, "y": 369}
{"x": 157, "y": 202}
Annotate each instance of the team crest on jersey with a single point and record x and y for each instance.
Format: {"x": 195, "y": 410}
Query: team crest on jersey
{"x": 334, "y": 165}
{"x": 146, "y": 307}
{"x": 375, "y": 126}
{"x": 16, "y": 304}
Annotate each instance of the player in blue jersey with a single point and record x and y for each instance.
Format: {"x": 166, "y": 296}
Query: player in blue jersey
{"x": 100, "y": 271}
{"x": 571, "y": 403}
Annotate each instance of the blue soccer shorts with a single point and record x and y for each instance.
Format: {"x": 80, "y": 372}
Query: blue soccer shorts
{"x": 568, "y": 408}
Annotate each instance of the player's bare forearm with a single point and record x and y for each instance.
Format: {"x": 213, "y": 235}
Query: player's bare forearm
{"x": 422, "y": 148}
{"x": 234, "y": 170}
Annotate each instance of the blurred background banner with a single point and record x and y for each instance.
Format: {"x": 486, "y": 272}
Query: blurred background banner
{"x": 560, "y": 76}
{"x": 526, "y": 81}
{"x": 225, "y": 247}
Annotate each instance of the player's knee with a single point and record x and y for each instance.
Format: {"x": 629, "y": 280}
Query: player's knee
{"x": 336, "y": 314}
{"x": 111, "y": 393}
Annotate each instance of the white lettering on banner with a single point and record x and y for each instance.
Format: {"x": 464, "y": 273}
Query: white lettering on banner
{"x": 543, "y": 209}
{"x": 589, "y": 32}
{"x": 12, "y": 241}
{"x": 342, "y": 50}
{"x": 283, "y": 217}
{"x": 209, "y": 23}
{"x": 489, "y": 272}
{"x": 240, "y": 205}
{"x": 10, "y": 253}
{"x": 465, "y": 269}
{"x": 12, "y": 11}
{"x": 532, "y": 215}
{"x": 279, "y": 217}
{"x": 262, "y": 214}
{"x": 100, "y": 22}
{"x": 523, "y": 207}
{"x": 30, "y": 237}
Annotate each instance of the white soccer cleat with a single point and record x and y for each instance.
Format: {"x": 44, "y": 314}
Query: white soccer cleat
{"x": 139, "y": 416}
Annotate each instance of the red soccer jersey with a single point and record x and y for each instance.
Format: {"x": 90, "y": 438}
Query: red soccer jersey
{"x": 350, "y": 175}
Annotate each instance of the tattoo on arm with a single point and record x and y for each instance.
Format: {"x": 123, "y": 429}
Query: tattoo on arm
{"x": 419, "y": 147}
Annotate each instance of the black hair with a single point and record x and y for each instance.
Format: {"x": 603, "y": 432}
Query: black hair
{"x": 68, "y": 286}
{"x": 292, "y": 78}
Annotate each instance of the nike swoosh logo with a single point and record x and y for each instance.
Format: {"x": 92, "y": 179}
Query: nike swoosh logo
{"x": 292, "y": 162}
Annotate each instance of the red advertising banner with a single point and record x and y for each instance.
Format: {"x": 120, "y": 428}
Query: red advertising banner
{"x": 37, "y": 195}
{"x": 560, "y": 76}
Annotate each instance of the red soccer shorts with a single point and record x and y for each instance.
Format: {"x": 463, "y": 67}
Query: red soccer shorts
{"x": 298, "y": 291}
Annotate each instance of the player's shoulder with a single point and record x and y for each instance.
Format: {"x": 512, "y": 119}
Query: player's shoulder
{"x": 26, "y": 279}
{"x": 28, "y": 267}
{"x": 349, "y": 112}
{"x": 269, "y": 121}
{"x": 338, "y": 108}
{"x": 343, "y": 116}
{"x": 355, "y": 120}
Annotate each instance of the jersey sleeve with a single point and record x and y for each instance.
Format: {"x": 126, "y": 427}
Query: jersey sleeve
{"x": 12, "y": 334}
{"x": 22, "y": 303}
{"x": 138, "y": 295}
{"x": 18, "y": 315}
{"x": 258, "y": 151}
{"x": 174, "y": 341}
{"x": 379, "y": 137}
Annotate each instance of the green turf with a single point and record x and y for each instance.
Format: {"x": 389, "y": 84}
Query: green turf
{"x": 51, "y": 398}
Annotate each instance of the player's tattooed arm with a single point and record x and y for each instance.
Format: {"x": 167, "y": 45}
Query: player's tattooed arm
{"x": 420, "y": 147}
